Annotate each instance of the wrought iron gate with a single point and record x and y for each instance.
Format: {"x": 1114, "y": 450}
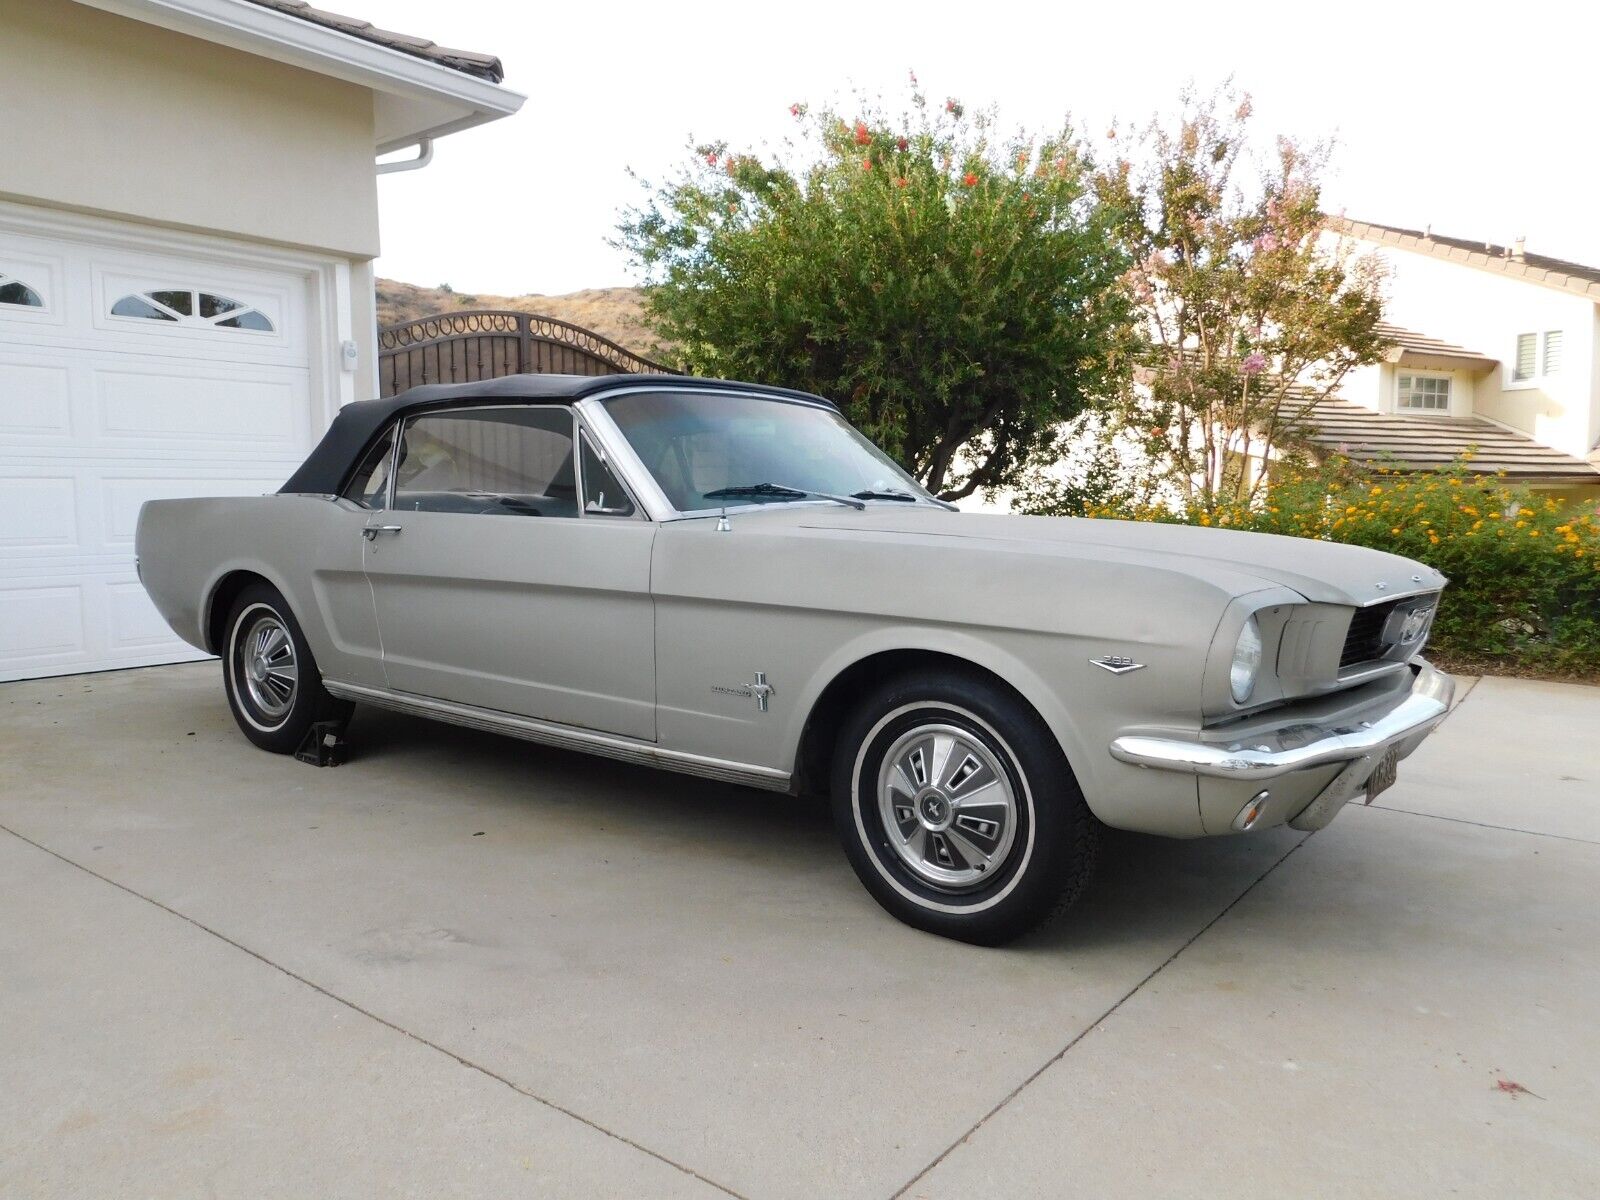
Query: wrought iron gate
{"x": 458, "y": 347}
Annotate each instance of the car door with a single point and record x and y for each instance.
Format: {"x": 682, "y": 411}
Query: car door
{"x": 339, "y": 590}
{"x": 495, "y": 588}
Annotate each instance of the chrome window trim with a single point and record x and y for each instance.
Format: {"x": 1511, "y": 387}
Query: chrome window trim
{"x": 402, "y": 423}
{"x": 585, "y": 434}
{"x": 630, "y": 468}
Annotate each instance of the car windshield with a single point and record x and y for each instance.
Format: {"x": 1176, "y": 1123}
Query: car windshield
{"x": 711, "y": 450}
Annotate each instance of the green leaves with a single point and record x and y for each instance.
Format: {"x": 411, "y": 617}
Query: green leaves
{"x": 958, "y": 297}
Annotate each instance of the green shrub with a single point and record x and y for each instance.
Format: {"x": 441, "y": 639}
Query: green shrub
{"x": 956, "y": 289}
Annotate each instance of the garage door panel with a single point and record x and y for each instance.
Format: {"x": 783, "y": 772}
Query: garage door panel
{"x": 39, "y": 513}
{"x": 27, "y": 262}
{"x": 247, "y": 408}
{"x": 40, "y": 626}
{"x": 35, "y": 399}
{"x": 283, "y": 307}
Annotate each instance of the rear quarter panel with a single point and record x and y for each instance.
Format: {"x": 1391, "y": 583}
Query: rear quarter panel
{"x": 307, "y": 547}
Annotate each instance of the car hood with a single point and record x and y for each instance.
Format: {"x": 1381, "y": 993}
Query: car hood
{"x": 1323, "y": 572}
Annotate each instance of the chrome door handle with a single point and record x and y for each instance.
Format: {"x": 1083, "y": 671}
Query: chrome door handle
{"x": 372, "y": 531}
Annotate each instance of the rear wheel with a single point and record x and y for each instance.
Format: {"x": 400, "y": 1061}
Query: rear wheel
{"x": 269, "y": 673}
{"x": 958, "y": 809}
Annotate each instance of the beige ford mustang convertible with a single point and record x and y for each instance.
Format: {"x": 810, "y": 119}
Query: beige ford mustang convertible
{"x": 729, "y": 580}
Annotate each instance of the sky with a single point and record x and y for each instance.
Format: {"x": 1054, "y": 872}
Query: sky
{"x": 1475, "y": 118}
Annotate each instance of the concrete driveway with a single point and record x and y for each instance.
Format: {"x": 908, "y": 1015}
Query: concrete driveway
{"x": 466, "y": 966}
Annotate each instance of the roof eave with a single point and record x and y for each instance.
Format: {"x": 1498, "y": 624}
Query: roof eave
{"x": 414, "y": 98}
{"x": 1540, "y": 276}
{"x": 1441, "y": 360}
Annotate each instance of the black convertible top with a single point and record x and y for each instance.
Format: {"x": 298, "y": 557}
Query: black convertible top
{"x": 334, "y": 457}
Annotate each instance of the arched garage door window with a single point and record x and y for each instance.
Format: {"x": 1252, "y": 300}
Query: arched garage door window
{"x": 192, "y": 308}
{"x": 14, "y": 291}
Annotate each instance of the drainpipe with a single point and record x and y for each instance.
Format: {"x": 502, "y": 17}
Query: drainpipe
{"x": 423, "y": 158}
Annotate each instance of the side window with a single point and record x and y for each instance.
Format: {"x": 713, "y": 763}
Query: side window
{"x": 369, "y": 486}
{"x": 496, "y": 461}
{"x": 603, "y": 493}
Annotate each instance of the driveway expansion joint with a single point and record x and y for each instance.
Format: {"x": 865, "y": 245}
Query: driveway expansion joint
{"x": 1427, "y": 816}
{"x": 371, "y": 1016}
{"x": 1095, "y": 1024}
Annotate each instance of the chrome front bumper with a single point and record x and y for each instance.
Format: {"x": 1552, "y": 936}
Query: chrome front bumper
{"x": 1355, "y": 738}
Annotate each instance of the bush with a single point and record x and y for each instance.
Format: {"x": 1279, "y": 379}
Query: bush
{"x": 954, "y": 288}
{"x": 1524, "y": 569}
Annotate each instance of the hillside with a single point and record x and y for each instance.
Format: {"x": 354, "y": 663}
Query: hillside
{"x": 616, "y": 313}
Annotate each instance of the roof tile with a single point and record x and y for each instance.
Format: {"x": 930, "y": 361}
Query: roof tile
{"x": 1425, "y": 442}
{"x": 468, "y": 62}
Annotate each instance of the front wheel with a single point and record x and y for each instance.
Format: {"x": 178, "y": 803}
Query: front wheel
{"x": 272, "y": 681}
{"x": 958, "y": 809}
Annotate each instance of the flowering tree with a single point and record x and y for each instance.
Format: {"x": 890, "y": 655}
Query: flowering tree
{"x": 958, "y": 295}
{"x": 1251, "y": 313}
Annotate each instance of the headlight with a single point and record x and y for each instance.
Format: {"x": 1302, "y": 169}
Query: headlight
{"x": 1246, "y": 661}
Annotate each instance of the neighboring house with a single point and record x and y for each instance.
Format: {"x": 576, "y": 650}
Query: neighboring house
{"x": 1495, "y": 349}
{"x": 188, "y": 219}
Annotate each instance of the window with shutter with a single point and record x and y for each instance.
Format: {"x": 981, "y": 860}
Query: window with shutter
{"x": 1527, "y": 356}
{"x": 1552, "y": 352}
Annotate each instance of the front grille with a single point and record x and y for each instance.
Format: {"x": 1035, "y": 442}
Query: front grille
{"x": 1364, "y": 642}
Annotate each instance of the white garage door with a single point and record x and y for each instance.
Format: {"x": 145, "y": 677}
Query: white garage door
{"x": 127, "y": 375}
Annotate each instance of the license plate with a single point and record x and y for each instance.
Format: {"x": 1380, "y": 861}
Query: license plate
{"x": 1383, "y": 775}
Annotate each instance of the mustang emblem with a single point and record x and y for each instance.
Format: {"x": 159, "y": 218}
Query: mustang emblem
{"x": 760, "y": 689}
{"x": 1117, "y": 664}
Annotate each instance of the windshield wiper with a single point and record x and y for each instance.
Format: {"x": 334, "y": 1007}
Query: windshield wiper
{"x": 781, "y": 492}
{"x": 874, "y": 494}
{"x": 878, "y": 494}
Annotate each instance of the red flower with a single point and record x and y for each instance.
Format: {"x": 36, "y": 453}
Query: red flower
{"x": 970, "y": 179}
{"x": 950, "y": 106}
{"x": 902, "y": 145}
{"x": 794, "y": 110}
{"x": 1158, "y": 431}
{"x": 866, "y": 164}
{"x": 901, "y": 181}
{"x": 863, "y": 135}
{"x": 711, "y": 160}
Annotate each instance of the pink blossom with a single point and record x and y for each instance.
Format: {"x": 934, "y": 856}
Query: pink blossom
{"x": 1254, "y": 363}
{"x": 1244, "y": 110}
{"x": 1266, "y": 243}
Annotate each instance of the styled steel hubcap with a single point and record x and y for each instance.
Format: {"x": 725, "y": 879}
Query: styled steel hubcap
{"x": 947, "y": 806}
{"x": 267, "y": 662}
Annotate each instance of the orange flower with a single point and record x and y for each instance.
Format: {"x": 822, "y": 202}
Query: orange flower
{"x": 863, "y": 135}
{"x": 969, "y": 179}
{"x": 901, "y": 181}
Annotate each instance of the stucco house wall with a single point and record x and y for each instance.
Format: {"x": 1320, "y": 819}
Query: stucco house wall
{"x": 241, "y": 145}
{"x": 1485, "y": 312}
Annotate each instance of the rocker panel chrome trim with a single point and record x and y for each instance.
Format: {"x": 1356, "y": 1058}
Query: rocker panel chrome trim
{"x": 564, "y": 737}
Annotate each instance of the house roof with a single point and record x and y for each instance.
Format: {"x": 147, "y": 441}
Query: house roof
{"x": 1412, "y": 347}
{"x": 419, "y": 91}
{"x": 1429, "y": 443}
{"x": 1541, "y": 269}
{"x": 470, "y": 62}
